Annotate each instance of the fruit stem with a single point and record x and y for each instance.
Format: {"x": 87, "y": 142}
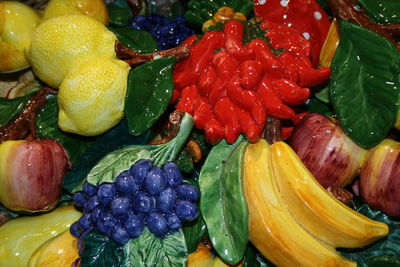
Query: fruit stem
{"x": 134, "y": 58}
{"x": 25, "y": 121}
{"x": 347, "y": 10}
{"x": 175, "y": 119}
{"x": 272, "y": 130}
{"x": 341, "y": 194}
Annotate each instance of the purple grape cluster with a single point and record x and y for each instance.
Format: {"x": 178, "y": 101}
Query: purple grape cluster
{"x": 168, "y": 33}
{"x": 144, "y": 195}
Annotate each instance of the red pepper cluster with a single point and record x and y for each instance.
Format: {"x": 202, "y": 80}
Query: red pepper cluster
{"x": 230, "y": 88}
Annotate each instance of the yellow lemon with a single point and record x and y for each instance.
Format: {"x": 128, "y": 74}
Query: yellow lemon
{"x": 60, "y": 42}
{"x": 92, "y": 8}
{"x": 17, "y": 23}
{"x": 91, "y": 97}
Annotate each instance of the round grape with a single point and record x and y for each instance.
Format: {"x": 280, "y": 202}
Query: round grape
{"x": 186, "y": 210}
{"x": 85, "y": 221}
{"x": 106, "y": 223}
{"x": 106, "y": 193}
{"x": 143, "y": 202}
{"x": 155, "y": 181}
{"x": 89, "y": 190}
{"x": 120, "y": 206}
{"x": 134, "y": 225}
{"x": 75, "y": 229}
{"x": 92, "y": 203}
{"x": 140, "y": 169}
{"x": 157, "y": 224}
{"x": 94, "y": 215}
{"x": 173, "y": 221}
{"x": 188, "y": 191}
{"x": 172, "y": 174}
{"x": 125, "y": 183}
{"x": 166, "y": 200}
{"x": 120, "y": 235}
{"x": 79, "y": 199}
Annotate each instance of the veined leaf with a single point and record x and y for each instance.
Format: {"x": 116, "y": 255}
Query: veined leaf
{"x": 222, "y": 202}
{"x": 101, "y": 251}
{"x": 149, "y": 250}
{"x": 365, "y": 84}
{"x": 150, "y": 88}
{"x": 383, "y": 11}
{"x": 9, "y": 108}
{"x": 138, "y": 40}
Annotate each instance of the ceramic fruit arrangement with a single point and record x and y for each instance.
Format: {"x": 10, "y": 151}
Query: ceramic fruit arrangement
{"x": 233, "y": 133}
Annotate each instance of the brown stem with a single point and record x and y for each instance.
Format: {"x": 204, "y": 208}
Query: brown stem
{"x": 346, "y": 9}
{"x": 272, "y": 130}
{"x": 341, "y": 194}
{"x": 134, "y": 58}
{"x": 4, "y": 217}
{"x": 24, "y": 122}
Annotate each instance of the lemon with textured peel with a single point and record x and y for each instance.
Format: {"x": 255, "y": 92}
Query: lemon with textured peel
{"x": 93, "y": 8}
{"x": 91, "y": 96}
{"x": 17, "y": 23}
{"x": 58, "y": 44}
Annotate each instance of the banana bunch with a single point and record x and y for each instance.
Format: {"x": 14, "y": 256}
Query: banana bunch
{"x": 293, "y": 220}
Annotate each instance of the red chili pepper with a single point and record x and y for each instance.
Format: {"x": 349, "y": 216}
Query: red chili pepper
{"x": 189, "y": 41}
{"x": 305, "y": 74}
{"x": 218, "y": 91}
{"x": 214, "y": 132}
{"x": 226, "y": 65}
{"x": 291, "y": 93}
{"x": 286, "y": 132}
{"x": 304, "y": 15}
{"x": 206, "y": 80}
{"x": 247, "y": 100}
{"x": 263, "y": 53}
{"x": 202, "y": 112}
{"x": 251, "y": 71}
{"x": 284, "y": 37}
{"x": 224, "y": 112}
{"x": 272, "y": 102}
{"x": 250, "y": 129}
{"x": 188, "y": 97}
{"x": 233, "y": 31}
{"x": 200, "y": 55}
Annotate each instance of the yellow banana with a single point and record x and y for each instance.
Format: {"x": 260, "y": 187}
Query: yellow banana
{"x": 315, "y": 209}
{"x": 273, "y": 230}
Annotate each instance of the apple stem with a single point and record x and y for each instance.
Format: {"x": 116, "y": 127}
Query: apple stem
{"x": 25, "y": 121}
{"x": 341, "y": 194}
{"x": 134, "y": 58}
{"x": 347, "y": 10}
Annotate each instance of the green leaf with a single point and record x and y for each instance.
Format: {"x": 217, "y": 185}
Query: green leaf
{"x": 115, "y": 162}
{"x": 109, "y": 166}
{"x": 116, "y": 138}
{"x": 47, "y": 127}
{"x": 382, "y": 11}
{"x": 149, "y": 250}
{"x": 364, "y": 84}
{"x": 150, "y": 88}
{"x": 389, "y": 246}
{"x": 384, "y": 261}
{"x": 222, "y": 203}
{"x": 138, "y": 40}
{"x": 101, "y": 251}
{"x": 9, "y": 108}
{"x": 119, "y": 13}
{"x": 323, "y": 94}
{"x": 194, "y": 232}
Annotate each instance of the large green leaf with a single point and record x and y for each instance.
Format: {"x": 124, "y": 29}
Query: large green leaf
{"x": 222, "y": 203}
{"x": 116, "y": 138}
{"x": 365, "y": 84}
{"x": 101, "y": 251}
{"x": 149, "y": 250}
{"x": 9, "y": 108}
{"x": 389, "y": 246}
{"x": 47, "y": 127}
{"x": 138, "y": 40}
{"x": 119, "y": 13}
{"x": 150, "y": 88}
{"x": 383, "y": 11}
{"x": 194, "y": 232}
